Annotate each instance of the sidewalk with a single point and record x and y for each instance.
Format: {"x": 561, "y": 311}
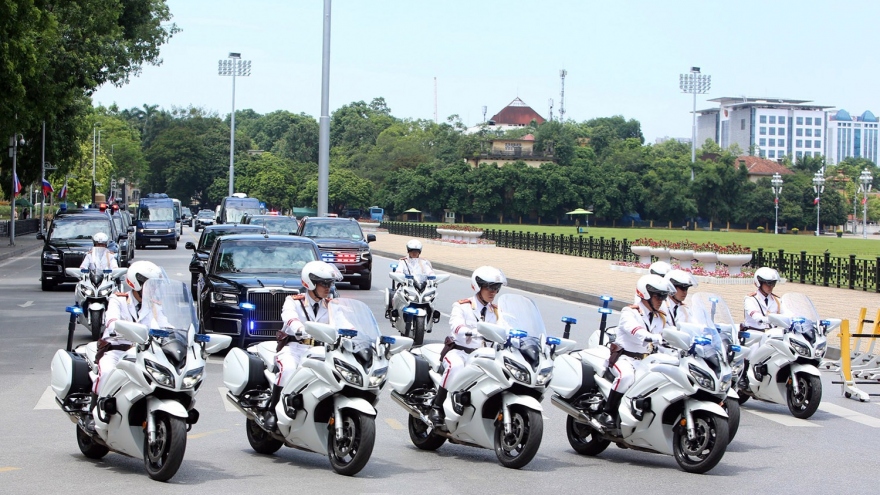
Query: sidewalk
{"x": 23, "y": 244}
{"x": 585, "y": 279}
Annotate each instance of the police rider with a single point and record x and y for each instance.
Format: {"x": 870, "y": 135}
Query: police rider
{"x": 679, "y": 283}
{"x": 413, "y": 264}
{"x": 756, "y": 308}
{"x": 318, "y": 277}
{"x": 125, "y": 306}
{"x": 639, "y": 325}
{"x": 486, "y": 281}
{"x": 99, "y": 257}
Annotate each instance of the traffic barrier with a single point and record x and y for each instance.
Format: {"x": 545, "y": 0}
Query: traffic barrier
{"x": 857, "y": 364}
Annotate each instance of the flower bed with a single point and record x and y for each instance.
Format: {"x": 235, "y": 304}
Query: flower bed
{"x": 463, "y": 234}
{"x": 719, "y": 275}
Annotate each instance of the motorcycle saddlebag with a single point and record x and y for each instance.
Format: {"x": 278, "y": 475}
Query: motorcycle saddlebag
{"x": 407, "y": 371}
{"x": 70, "y": 374}
{"x": 243, "y": 371}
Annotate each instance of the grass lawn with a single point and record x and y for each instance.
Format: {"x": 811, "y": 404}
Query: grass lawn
{"x": 805, "y": 241}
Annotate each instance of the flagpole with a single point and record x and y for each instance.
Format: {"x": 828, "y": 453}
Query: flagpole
{"x": 43, "y": 177}
{"x": 14, "y": 193}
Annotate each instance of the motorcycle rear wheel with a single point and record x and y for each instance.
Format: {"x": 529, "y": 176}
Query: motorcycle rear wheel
{"x": 89, "y": 447}
{"x": 804, "y": 404}
{"x": 96, "y": 320}
{"x": 520, "y": 447}
{"x": 350, "y": 454}
{"x": 163, "y": 458}
{"x": 261, "y": 441}
{"x": 733, "y": 415}
{"x": 584, "y": 439}
{"x": 707, "y": 448}
{"x": 418, "y": 328}
{"x": 422, "y": 436}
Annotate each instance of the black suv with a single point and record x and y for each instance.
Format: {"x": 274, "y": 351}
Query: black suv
{"x": 67, "y": 240}
{"x": 125, "y": 242}
{"x": 203, "y": 219}
{"x": 202, "y": 250}
{"x": 275, "y": 224}
{"x": 245, "y": 281}
{"x": 342, "y": 242}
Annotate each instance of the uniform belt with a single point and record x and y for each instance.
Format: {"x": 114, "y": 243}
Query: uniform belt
{"x": 635, "y": 355}
{"x": 306, "y": 342}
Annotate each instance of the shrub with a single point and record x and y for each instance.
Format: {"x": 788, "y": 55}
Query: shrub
{"x": 794, "y": 231}
{"x": 760, "y": 230}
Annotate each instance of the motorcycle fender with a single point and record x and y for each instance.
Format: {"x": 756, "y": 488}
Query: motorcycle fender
{"x": 731, "y": 393}
{"x": 171, "y": 407}
{"x": 804, "y": 368}
{"x": 710, "y": 407}
{"x": 509, "y": 399}
{"x": 96, "y": 306}
{"x": 342, "y": 402}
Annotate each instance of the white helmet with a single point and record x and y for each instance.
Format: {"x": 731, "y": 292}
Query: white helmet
{"x": 141, "y": 271}
{"x": 487, "y": 275}
{"x": 659, "y": 268}
{"x": 680, "y": 278}
{"x": 765, "y": 274}
{"x": 651, "y": 284}
{"x": 414, "y": 245}
{"x": 100, "y": 238}
{"x": 319, "y": 271}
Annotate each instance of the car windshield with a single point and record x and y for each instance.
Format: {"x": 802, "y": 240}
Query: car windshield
{"x": 351, "y": 314}
{"x": 276, "y": 225}
{"x": 333, "y": 230}
{"x": 520, "y": 313}
{"x": 211, "y": 235}
{"x": 234, "y": 214}
{"x": 78, "y": 227}
{"x": 156, "y": 214}
{"x": 117, "y": 221}
{"x": 263, "y": 256}
{"x": 206, "y": 214}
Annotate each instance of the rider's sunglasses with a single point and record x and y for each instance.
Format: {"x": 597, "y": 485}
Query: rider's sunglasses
{"x": 493, "y": 287}
{"x": 682, "y": 287}
{"x": 771, "y": 283}
{"x": 325, "y": 283}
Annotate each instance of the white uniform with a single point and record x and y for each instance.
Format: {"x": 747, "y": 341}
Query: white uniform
{"x": 676, "y": 312}
{"x": 464, "y": 317}
{"x": 756, "y": 307}
{"x": 99, "y": 258}
{"x": 296, "y": 309}
{"x": 122, "y": 306}
{"x": 414, "y": 267}
{"x": 634, "y": 327}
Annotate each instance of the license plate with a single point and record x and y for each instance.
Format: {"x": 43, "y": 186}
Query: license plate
{"x": 155, "y": 240}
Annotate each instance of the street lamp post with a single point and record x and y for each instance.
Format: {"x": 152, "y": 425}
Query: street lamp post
{"x": 94, "y": 156}
{"x": 694, "y": 83}
{"x": 866, "y": 179}
{"x": 234, "y": 66}
{"x": 776, "y": 184}
{"x": 819, "y": 188}
{"x": 13, "y": 145}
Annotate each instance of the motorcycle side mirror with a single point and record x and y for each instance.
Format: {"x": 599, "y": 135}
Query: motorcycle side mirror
{"x": 398, "y": 344}
{"x": 678, "y": 339}
{"x": 322, "y": 332}
{"x": 217, "y": 343}
{"x": 778, "y": 320}
{"x": 135, "y": 332}
{"x": 41, "y": 236}
{"x": 397, "y": 277}
{"x": 371, "y": 237}
{"x": 442, "y": 278}
{"x": 118, "y": 272}
{"x": 492, "y": 332}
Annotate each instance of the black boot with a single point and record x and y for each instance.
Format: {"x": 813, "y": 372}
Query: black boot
{"x": 608, "y": 418}
{"x": 269, "y": 417}
{"x": 90, "y": 420}
{"x": 437, "y": 415}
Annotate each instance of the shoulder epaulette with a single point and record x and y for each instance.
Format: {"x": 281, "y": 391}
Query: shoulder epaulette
{"x": 297, "y": 297}
{"x": 121, "y": 294}
{"x": 633, "y": 306}
{"x": 464, "y": 301}
{"x": 753, "y": 294}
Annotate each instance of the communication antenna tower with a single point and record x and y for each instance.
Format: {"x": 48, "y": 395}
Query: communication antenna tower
{"x": 551, "y": 109}
{"x": 562, "y": 74}
{"x": 484, "y": 113}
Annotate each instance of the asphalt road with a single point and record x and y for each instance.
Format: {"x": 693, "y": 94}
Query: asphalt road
{"x": 38, "y": 452}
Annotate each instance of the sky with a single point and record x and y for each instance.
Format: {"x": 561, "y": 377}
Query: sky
{"x": 622, "y": 57}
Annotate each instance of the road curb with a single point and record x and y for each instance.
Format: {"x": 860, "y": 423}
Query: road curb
{"x": 16, "y": 251}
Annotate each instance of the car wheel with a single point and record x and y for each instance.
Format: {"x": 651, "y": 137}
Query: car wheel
{"x": 366, "y": 284}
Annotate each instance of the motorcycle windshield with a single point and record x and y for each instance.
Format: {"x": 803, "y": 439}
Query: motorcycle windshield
{"x": 709, "y": 309}
{"x": 419, "y": 281}
{"x": 520, "y": 313}
{"x": 804, "y": 315}
{"x": 351, "y": 314}
{"x": 166, "y": 304}
{"x": 96, "y": 277}
{"x": 708, "y": 344}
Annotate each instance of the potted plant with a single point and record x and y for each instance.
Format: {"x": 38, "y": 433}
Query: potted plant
{"x": 642, "y": 249}
{"x": 734, "y": 256}
{"x": 707, "y": 254}
{"x": 794, "y": 231}
{"x": 660, "y": 249}
{"x": 463, "y": 234}
{"x": 683, "y": 251}
{"x": 839, "y": 232}
{"x": 760, "y": 230}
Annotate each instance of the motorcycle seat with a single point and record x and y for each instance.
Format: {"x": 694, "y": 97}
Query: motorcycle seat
{"x": 317, "y": 352}
{"x": 431, "y": 353}
{"x": 266, "y": 351}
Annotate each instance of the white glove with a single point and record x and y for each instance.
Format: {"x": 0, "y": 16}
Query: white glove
{"x": 655, "y": 338}
{"x": 762, "y": 319}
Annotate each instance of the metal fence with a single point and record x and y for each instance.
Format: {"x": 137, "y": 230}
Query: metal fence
{"x": 846, "y": 272}
{"x": 22, "y": 227}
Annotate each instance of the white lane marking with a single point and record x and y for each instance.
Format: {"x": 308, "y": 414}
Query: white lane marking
{"x": 784, "y": 419}
{"x": 29, "y": 303}
{"x": 850, "y": 414}
{"x": 226, "y": 404}
{"x": 394, "y": 424}
{"x": 47, "y": 400}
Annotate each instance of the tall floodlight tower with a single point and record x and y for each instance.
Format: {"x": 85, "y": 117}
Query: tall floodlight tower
{"x": 694, "y": 83}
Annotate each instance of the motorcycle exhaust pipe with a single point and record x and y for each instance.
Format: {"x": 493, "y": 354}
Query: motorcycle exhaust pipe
{"x": 231, "y": 398}
{"x": 570, "y": 410}
{"x": 414, "y": 412}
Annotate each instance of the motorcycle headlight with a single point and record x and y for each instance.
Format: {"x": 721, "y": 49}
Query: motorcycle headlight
{"x": 51, "y": 256}
{"x": 141, "y": 231}
{"x": 86, "y": 291}
{"x": 349, "y": 373}
{"x": 192, "y": 378}
{"x": 702, "y": 378}
{"x": 820, "y": 349}
{"x": 544, "y": 376}
{"x": 105, "y": 291}
{"x": 225, "y": 298}
{"x": 159, "y": 373}
{"x": 378, "y": 377}
{"x": 725, "y": 383}
{"x": 517, "y": 371}
{"x": 430, "y": 297}
{"x": 411, "y": 296}
{"x": 800, "y": 348}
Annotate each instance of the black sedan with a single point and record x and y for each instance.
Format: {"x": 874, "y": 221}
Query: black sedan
{"x": 202, "y": 250}
{"x": 245, "y": 282}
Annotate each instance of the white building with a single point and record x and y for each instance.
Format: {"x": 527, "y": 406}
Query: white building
{"x": 775, "y": 127}
{"x": 851, "y": 136}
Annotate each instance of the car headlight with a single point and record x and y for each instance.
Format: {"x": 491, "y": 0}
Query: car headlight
{"x": 225, "y": 298}
{"x": 141, "y": 230}
{"x": 800, "y": 348}
{"x": 365, "y": 254}
{"x": 192, "y": 378}
{"x": 544, "y": 376}
{"x": 378, "y": 377}
{"x": 51, "y": 256}
{"x": 517, "y": 371}
{"x": 159, "y": 373}
{"x": 349, "y": 373}
{"x": 702, "y": 378}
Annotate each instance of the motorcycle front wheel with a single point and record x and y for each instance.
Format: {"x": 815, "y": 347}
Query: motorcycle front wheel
{"x": 350, "y": 454}
{"x": 708, "y": 446}
{"x": 732, "y": 407}
{"x": 163, "y": 457}
{"x": 418, "y": 328}
{"x": 261, "y": 441}
{"x": 518, "y": 448}
{"x": 584, "y": 439}
{"x": 804, "y": 403}
{"x": 96, "y": 320}
{"x": 88, "y": 446}
{"x": 422, "y": 436}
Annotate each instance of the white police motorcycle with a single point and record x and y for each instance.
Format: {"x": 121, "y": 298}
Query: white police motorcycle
{"x": 92, "y": 294}
{"x": 495, "y": 400}
{"x": 411, "y": 304}
{"x": 784, "y": 369}
{"x": 151, "y": 404}
{"x": 328, "y": 406}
